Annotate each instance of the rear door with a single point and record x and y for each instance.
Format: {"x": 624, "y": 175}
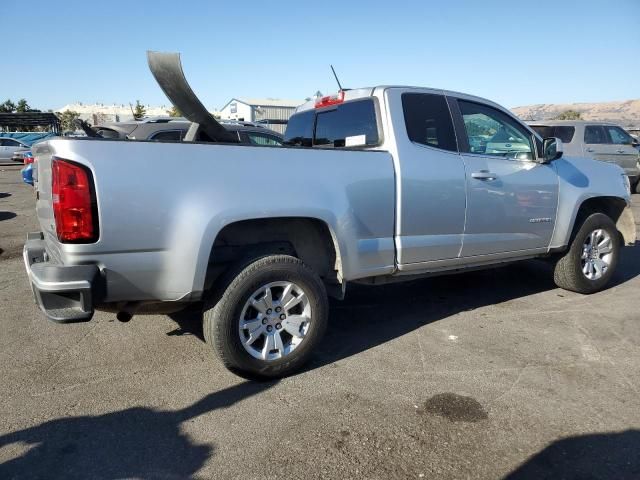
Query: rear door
{"x": 511, "y": 198}
{"x": 597, "y": 144}
{"x": 429, "y": 177}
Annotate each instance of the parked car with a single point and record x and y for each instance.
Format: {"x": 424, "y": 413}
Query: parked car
{"x": 602, "y": 141}
{"x": 174, "y": 129}
{"x": 10, "y": 146}
{"x": 376, "y": 185}
{"x": 18, "y": 156}
{"x": 27, "y": 172}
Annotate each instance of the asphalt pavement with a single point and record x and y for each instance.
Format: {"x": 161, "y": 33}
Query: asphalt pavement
{"x": 489, "y": 374}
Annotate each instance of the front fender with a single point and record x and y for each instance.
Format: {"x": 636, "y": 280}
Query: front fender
{"x": 581, "y": 180}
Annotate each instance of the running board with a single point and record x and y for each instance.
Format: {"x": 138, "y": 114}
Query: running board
{"x": 166, "y": 67}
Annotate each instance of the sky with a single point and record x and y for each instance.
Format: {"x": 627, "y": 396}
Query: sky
{"x": 513, "y": 52}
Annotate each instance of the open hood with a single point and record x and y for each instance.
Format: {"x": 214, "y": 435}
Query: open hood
{"x": 166, "y": 67}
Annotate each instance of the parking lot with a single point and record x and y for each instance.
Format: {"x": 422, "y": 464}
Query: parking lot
{"x": 481, "y": 375}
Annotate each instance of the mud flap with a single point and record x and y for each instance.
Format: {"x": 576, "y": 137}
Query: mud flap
{"x": 626, "y": 225}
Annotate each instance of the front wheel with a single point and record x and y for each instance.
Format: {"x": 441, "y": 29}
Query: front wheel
{"x": 591, "y": 260}
{"x": 270, "y": 315}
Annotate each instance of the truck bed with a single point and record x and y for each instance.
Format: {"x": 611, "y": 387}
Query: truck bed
{"x": 161, "y": 205}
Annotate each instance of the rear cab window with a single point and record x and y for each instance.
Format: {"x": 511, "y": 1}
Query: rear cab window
{"x": 353, "y": 123}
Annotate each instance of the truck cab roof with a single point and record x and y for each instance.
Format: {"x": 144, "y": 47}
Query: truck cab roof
{"x": 363, "y": 92}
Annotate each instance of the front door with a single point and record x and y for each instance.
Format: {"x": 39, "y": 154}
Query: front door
{"x": 622, "y": 150}
{"x": 598, "y": 145}
{"x": 4, "y": 149}
{"x": 511, "y": 198}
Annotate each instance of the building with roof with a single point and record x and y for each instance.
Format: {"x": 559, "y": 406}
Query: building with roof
{"x": 274, "y": 113}
{"x": 97, "y": 113}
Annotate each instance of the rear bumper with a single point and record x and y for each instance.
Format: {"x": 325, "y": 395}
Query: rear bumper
{"x": 64, "y": 293}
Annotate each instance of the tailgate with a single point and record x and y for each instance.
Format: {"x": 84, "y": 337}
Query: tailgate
{"x": 43, "y": 152}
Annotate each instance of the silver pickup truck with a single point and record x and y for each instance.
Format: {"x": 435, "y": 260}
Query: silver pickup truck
{"x": 375, "y": 185}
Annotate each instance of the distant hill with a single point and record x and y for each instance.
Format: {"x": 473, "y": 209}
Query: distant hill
{"x": 625, "y": 113}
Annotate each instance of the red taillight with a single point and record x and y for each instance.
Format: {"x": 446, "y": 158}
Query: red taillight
{"x": 331, "y": 100}
{"x": 28, "y": 159}
{"x": 74, "y": 206}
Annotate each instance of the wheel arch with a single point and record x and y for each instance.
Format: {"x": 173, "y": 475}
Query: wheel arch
{"x": 309, "y": 238}
{"x": 615, "y": 208}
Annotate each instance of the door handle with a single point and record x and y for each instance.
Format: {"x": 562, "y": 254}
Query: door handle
{"x": 484, "y": 175}
{"x": 589, "y": 149}
{"x": 620, "y": 151}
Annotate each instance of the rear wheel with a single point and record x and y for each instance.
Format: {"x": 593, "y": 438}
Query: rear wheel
{"x": 590, "y": 262}
{"x": 269, "y": 316}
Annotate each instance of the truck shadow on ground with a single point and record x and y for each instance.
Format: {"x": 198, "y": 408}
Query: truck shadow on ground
{"x": 143, "y": 442}
{"x": 133, "y": 443}
{"x": 372, "y": 315}
{"x": 594, "y": 456}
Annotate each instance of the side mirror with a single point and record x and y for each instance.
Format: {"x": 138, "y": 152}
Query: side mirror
{"x": 552, "y": 149}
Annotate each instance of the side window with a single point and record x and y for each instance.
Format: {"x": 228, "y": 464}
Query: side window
{"x": 263, "y": 139}
{"x": 564, "y": 133}
{"x": 619, "y": 136}
{"x": 300, "y": 129}
{"x": 492, "y": 132}
{"x": 594, "y": 134}
{"x": 355, "y": 120}
{"x": 171, "y": 135}
{"x": 428, "y": 120}
{"x": 107, "y": 133}
{"x": 543, "y": 130}
{"x": 11, "y": 143}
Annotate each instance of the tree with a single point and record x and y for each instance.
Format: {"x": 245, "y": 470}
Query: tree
{"x": 68, "y": 120}
{"x": 23, "y": 106}
{"x": 139, "y": 111}
{"x": 100, "y": 118}
{"x": 7, "y": 107}
{"x": 174, "y": 112}
{"x": 569, "y": 115}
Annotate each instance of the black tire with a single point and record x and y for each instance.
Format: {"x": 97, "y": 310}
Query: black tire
{"x": 222, "y": 314}
{"x": 636, "y": 188}
{"x": 567, "y": 272}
